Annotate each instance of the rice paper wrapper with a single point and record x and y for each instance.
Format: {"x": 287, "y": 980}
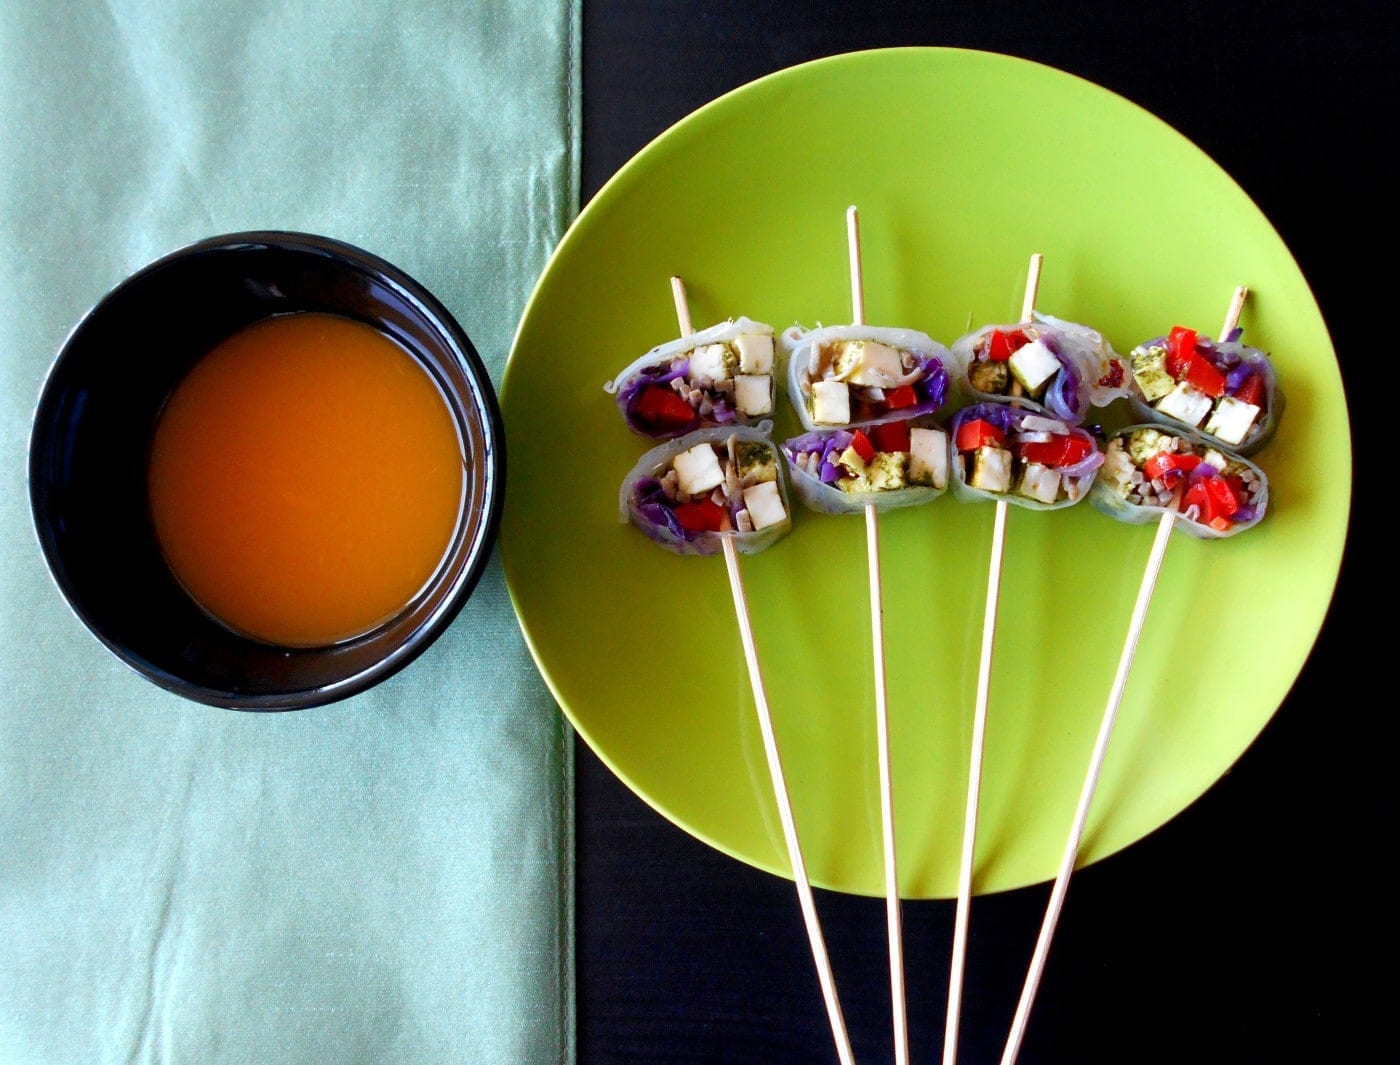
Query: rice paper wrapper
{"x": 1109, "y": 502}
{"x": 684, "y": 542}
{"x": 1009, "y": 417}
{"x": 1234, "y": 352}
{"x": 655, "y": 368}
{"x": 1088, "y": 362}
{"x": 828, "y": 499}
{"x": 800, "y": 343}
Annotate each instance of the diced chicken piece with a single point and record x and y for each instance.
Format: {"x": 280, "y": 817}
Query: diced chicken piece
{"x": 928, "y": 457}
{"x": 1186, "y": 404}
{"x": 1039, "y": 482}
{"x": 831, "y": 403}
{"x": 1232, "y": 419}
{"x": 753, "y": 394}
{"x": 1033, "y": 364}
{"x": 755, "y": 353}
{"x": 698, "y": 470}
{"x": 991, "y": 469}
{"x": 765, "y": 504}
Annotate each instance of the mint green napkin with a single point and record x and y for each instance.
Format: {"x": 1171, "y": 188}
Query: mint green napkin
{"x": 382, "y": 880}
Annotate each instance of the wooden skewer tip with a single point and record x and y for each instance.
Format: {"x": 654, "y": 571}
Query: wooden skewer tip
{"x": 1032, "y": 286}
{"x": 1232, "y": 315}
{"x": 682, "y": 302}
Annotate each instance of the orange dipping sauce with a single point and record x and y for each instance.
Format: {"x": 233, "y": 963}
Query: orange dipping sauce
{"x": 306, "y": 479}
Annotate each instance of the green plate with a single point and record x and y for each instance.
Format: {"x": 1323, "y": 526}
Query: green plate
{"x": 962, "y": 164}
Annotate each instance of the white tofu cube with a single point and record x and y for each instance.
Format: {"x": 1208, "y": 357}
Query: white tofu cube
{"x": 1232, "y": 419}
{"x": 876, "y": 365}
{"x": 928, "y": 457}
{"x": 753, "y": 393}
{"x": 1149, "y": 366}
{"x": 1033, "y": 364}
{"x": 698, "y": 470}
{"x": 765, "y": 504}
{"x": 991, "y": 469}
{"x": 1039, "y": 482}
{"x": 755, "y": 352}
{"x": 708, "y": 362}
{"x": 1186, "y": 404}
{"x": 831, "y": 403}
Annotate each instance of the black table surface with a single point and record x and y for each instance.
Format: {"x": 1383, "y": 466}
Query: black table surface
{"x": 1257, "y": 926}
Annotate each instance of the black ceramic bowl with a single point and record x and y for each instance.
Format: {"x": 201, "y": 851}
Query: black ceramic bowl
{"x": 91, "y": 438}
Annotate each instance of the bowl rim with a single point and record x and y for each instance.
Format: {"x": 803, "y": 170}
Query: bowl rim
{"x": 476, "y": 546}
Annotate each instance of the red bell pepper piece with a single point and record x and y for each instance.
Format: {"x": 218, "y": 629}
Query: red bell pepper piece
{"x": 1061, "y": 451}
{"x": 864, "y": 448}
{"x": 704, "y": 516}
{"x": 890, "y": 436}
{"x": 1166, "y": 462}
{"x": 1201, "y": 373}
{"x": 1181, "y": 346}
{"x": 1236, "y": 483}
{"x": 1251, "y": 390}
{"x": 1004, "y": 345}
{"x": 1185, "y": 363}
{"x": 661, "y": 408}
{"x": 901, "y": 397}
{"x": 978, "y": 433}
{"x": 1223, "y": 496}
{"x": 1197, "y": 496}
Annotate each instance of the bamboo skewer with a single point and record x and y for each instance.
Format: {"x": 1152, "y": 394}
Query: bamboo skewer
{"x": 979, "y": 733}
{"x": 1086, "y": 795}
{"x": 882, "y": 718}
{"x": 825, "y": 977}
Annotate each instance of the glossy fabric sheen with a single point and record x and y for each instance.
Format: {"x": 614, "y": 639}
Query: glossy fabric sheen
{"x": 384, "y": 879}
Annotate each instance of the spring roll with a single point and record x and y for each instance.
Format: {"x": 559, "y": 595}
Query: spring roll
{"x": 1056, "y": 367}
{"x": 1226, "y": 391}
{"x": 844, "y": 375}
{"x": 1025, "y": 457}
{"x": 723, "y": 481}
{"x": 1148, "y": 470}
{"x": 889, "y": 464}
{"x": 722, "y": 375}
